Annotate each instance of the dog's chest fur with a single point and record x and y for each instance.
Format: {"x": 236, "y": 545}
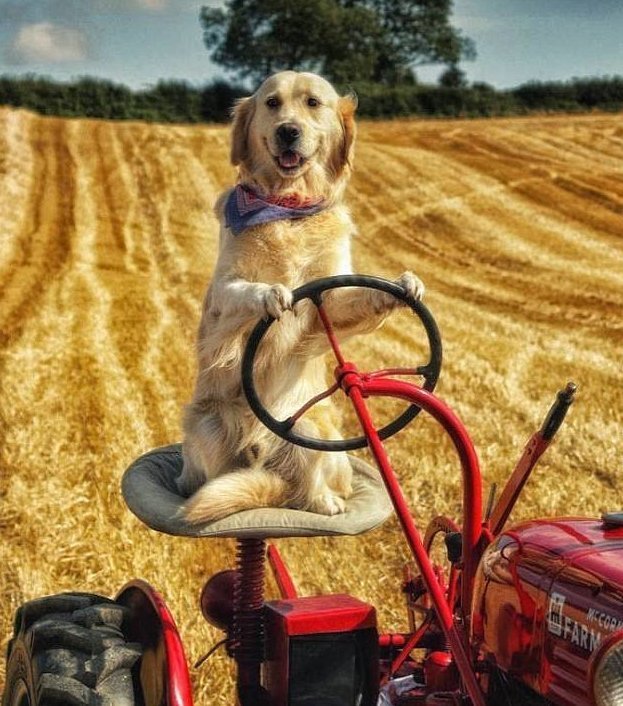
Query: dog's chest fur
{"x": 289, "y": 252}
{"x": 294, "y": 251}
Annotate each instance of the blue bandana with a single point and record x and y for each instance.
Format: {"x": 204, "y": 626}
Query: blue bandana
{"x": 245, "y": 208}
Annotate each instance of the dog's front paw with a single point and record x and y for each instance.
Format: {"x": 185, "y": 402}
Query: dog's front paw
{"x": 276, "y": 300}
{"x": 327, "y": 504}
{"x": 412, "y": 284}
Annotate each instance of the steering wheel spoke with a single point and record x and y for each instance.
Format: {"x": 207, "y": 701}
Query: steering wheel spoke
{"x": 328, "y": 327}
{"x": 314, "y": 291}
{"x": 421, "y": 371}
{"x": 293, "y": 418}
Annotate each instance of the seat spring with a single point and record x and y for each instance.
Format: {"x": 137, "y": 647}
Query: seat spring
{"x": 247, "y": 636}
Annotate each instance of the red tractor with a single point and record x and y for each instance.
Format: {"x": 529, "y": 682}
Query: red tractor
{"x": 530, "y": 614}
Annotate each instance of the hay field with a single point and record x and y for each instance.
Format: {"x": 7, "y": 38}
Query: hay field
{"x": 107, "y": 241}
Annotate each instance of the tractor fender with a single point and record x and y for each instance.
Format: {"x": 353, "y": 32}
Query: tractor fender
{"x": 164, "y": 674}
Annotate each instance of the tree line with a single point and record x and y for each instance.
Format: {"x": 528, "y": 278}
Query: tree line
{"x": 182, "y": 102}
{"x": 166, "y": 102}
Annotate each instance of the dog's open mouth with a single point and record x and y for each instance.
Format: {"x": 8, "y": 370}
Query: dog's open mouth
{"x": 290, "y": 161}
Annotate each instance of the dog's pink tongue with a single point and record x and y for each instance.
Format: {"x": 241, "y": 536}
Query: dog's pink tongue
{"x": 289, "y": 159}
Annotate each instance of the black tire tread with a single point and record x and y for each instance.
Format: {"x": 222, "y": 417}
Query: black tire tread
{"x": 77, "y": 651}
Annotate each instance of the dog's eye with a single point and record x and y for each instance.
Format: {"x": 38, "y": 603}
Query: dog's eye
{"x": 272, "y": 102}
{"x": 313, "y": 102}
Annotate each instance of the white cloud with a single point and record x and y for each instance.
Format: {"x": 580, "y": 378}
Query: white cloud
{"x": 45, "y": 42}
{"x": 475, "y": 23}
{"x": 153, "y": 5}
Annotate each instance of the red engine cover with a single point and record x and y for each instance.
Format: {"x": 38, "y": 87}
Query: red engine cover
{"x": 320, "y": 647}
{"x": 547, "y": 593}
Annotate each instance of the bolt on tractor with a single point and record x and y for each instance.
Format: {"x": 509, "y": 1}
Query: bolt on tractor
{"x": 525, "y": 615}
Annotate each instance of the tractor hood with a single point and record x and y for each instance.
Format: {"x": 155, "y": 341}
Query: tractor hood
{"x": 547, "y": 594}
{"x": 592, "y": 546}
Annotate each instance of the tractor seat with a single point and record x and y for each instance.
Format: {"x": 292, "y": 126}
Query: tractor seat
{"x": 150, "y": 491}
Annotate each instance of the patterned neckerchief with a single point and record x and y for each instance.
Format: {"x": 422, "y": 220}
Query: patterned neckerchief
{"x": 246, "y": 208}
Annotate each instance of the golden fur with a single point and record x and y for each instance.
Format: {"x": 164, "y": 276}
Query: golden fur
{"x": 231, "y": 461}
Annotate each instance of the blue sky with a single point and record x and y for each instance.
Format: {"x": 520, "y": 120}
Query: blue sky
{"x": 137, "y": 42}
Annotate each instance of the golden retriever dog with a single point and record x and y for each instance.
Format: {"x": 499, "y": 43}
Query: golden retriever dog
{"x": 283, "y": 224}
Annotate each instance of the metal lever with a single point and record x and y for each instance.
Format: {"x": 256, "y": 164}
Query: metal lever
{"x": 558, "y": 411}
{"x": 534, "y": 449}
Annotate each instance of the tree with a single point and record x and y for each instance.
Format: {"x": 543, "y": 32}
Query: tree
{"x": 416, "y": 32}
{"x": 346, "y": 40}
{"x": 453, "y": 77}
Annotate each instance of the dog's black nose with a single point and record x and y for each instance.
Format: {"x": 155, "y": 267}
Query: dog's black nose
{"x": 288, "y": 134}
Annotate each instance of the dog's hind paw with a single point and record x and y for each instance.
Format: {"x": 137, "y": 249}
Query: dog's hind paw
{"x": 276, "y": 300}
{"x": 327, "y": 504}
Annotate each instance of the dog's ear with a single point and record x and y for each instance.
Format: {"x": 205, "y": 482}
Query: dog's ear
{"x": 242, "y": 114}
{"x": 346, "y": 107}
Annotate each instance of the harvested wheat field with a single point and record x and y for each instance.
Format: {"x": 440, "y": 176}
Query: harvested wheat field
{"x": 107, "y": 241}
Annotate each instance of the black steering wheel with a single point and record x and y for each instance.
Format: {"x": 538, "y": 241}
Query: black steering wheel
{"x": 314, "y": 290}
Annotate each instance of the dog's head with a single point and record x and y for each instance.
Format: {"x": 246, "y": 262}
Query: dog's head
{"x": 294, "y": 131}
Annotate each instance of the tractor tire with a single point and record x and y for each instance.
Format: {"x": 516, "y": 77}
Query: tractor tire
{"x": 69, "y": 650}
